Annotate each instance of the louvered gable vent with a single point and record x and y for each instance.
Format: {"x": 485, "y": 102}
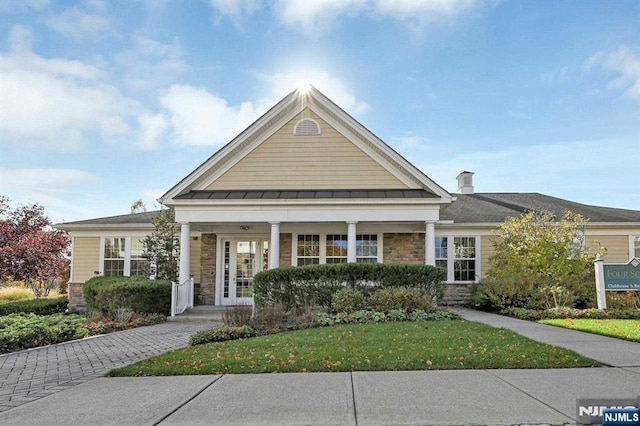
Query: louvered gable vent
{"x": 306, "y": 127}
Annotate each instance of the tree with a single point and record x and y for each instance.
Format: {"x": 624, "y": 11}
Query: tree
{"x": 162, "y": 247}
{"x": 30, "y": 250}
{"x": 541, "y": 261}
{"x": 138, "y": 207}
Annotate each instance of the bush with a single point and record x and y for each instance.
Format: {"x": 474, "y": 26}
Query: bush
{"x": 347, "y": 300}
{"x": 298, "y": 287}
{"x": 141, "y": 295}
{"x": 409, "y": 299}
{"x": 35, "y": 306}
{"x": 562, "y": 313}
{"x": 221, "y": 334}
{"x": 24, "y": 331}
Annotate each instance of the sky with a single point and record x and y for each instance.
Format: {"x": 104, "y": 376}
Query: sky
{"x": 103, "y": 103}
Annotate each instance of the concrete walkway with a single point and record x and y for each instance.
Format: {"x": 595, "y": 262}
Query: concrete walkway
{"x": 360, "y": 398}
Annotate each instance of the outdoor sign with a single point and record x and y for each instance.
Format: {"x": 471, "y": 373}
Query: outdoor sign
{"x": 622, "y": 277}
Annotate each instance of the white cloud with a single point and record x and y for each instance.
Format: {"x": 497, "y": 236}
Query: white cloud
{"x": 199, "y": 118}
{"x": 330, "y": 86}
{"x": 316, "y": 17}
{"x": 22, "y": 6}
{"x": 624, "y": 63}
{"x": 58, "y": 103}
{"x": 46, "y": 179}
{"x": 87, "y": 19}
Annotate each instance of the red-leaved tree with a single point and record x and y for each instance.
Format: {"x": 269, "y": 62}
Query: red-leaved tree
{"x": 30, "y": 250}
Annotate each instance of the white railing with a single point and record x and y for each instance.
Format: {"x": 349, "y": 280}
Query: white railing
{"x": 181, "y": 296}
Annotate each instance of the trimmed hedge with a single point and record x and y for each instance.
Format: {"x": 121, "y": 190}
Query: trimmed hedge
{"x": 563, "y": 313}
{"x": 138, "y": 294}
{"x": 314, "y": 285}
{"x": 35, "y": 306}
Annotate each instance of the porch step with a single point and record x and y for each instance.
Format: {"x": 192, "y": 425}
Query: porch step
{"x": 201, "y": 313}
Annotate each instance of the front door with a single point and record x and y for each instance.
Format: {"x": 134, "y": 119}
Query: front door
{"x": 242, "y": 260}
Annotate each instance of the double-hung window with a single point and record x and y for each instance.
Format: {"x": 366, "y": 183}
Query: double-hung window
{"x": 458, "y": 255}
{"x": 314, "y": 249}
{"x": 122, "y": 256}
{"x": 634, "y": 246}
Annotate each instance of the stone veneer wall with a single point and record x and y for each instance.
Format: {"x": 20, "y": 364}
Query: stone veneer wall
{"x": 76, "y": 298}
{"x": 403, "y": 248}
{"x": 285, "y": 249}
{"x": 207, "y": 291}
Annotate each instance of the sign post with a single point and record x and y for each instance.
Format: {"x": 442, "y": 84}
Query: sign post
{"x": 600, "y": 294}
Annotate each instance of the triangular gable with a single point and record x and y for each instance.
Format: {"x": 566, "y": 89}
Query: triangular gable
{"x": 387, "y": 168}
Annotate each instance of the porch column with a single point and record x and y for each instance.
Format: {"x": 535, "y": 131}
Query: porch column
{"x": 351, "y": 241}
{"x": 185, "y": 252}
{"x": 430, "y": 244}
{"x": 274, "y": 245}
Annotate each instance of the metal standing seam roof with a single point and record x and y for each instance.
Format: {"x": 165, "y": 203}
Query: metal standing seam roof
{"x": 307, "y": 194}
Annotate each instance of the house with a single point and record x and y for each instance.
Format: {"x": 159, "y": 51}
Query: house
{"x": 306, "y": 183}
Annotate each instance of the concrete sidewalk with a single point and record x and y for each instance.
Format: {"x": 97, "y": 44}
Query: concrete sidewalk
{"x": 503, "y": 397}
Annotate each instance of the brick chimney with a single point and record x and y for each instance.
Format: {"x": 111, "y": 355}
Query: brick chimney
{"x": 465, "y": 183}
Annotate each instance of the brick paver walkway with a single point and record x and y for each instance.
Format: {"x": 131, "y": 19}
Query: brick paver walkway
{"x": 35, "y": 373}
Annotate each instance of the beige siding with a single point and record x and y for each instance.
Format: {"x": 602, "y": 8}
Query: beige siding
{"x": 86, "y": 258}
{"x": 617, "y": 247}
{"x": 486, "y": 251}
{"x": 326, "y": 161}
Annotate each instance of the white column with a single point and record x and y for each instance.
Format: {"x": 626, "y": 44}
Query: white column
{"x": 274, "y": 245}
{"x": 185, "y": 252}
{"x": 351, "y": 241}
{"x": 601, "y": 296}
{"x": 430, "y": 244}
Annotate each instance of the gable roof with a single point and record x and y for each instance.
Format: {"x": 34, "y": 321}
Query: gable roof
{"x": 496, "y": 207}
{"x": 284, "y": 111}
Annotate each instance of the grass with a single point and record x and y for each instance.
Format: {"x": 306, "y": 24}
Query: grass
{"x": 364, "y": 347}
{"x": 619, "y": 328}
{"x": 13, "y": 293}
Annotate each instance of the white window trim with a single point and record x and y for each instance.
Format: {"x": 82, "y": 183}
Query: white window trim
{"x": 127, "y": 254}
{"x": 632, "y": 246}
{"x": 451, "y": 257}
{"x": 323, "y": 245}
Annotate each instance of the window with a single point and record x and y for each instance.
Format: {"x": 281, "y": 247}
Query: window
{"x": 332, "y": 248}
{"x": 122, "y": 256}
{"x": 635, "y": 246}
{"x": 461, "y": 262}
{"x": 465, "y": 258}
{"x": 114, "y": 253}
{"x": 336, "y": 249}
{"x": 139, "y": 265}
{"x": 308, "y": 251}
{"x": 366, "y": 248}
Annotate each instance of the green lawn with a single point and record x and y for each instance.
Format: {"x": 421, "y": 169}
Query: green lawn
{"x": 619, "y": 328}
{"x": 364, "y": 347}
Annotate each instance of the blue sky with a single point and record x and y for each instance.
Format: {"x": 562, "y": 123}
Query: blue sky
{"x": 106, "y": 102}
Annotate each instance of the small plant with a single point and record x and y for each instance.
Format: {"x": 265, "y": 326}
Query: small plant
{"x": 13, "y": 293}
{"x": 220, "y": 334}
{"x": 347, "y": 300}
{"x": 397, "y": 315}
{"x": 237, "y": 315}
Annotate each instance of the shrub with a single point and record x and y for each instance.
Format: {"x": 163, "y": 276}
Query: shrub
{"x": 237, "y": 315}
{"x": 221, "y": 334}
{"x": 23, "y": 331}
{"x": 347, "y": 300}
{"x": 35, "y": 306}
{"x": 562, "y": 313}
{"x": 409, "y": 299}
{"x": 141, "y": 295}
{"x": 296, "y": 288}
{"x": 369, "y": 316}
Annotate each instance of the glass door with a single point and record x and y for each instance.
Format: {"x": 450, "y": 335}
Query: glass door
{"x": 242, "y": 260}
